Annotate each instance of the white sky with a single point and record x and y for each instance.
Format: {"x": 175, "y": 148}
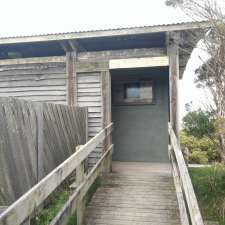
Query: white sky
{"x": 26, "y": 17}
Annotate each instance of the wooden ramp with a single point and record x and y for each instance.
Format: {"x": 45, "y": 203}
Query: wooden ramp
{"x": 135, "y": 194}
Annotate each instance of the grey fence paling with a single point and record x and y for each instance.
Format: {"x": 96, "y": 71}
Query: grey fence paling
{"x": 187, "y": 201}
{"x": 20, "y": 210}
{"x": 34, "y": 139}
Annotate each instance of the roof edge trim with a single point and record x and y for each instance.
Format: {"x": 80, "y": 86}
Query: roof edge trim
{"x": 106, "y": 33}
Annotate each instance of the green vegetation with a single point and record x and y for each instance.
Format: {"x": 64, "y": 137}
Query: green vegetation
{"x": 51, "y": 210}
{"x": 199, "y": 136}
{"x": 91, "y": 191}
{"x": 72, "y": 220}
{"x": 201, "y": 150}
{"x": 57, "y": 202}
{"x": 199, "y": 124}
{"x": 209, "y": 185}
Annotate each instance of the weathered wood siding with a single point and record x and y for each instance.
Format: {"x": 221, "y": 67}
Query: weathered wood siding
{"x": 89, "y": 94}
{"x": 63, "y": 129}
{"x": 46, "y": 81}
{"x": 35, "y": 138}
{"x": 38, "y": 81}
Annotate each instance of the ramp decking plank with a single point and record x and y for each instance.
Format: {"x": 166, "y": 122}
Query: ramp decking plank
{"x": 135, "y": 193}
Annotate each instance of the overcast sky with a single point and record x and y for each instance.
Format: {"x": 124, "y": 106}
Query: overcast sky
{"x": 27, "y": 17}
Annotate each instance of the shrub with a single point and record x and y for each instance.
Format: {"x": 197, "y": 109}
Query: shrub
{"x": 198, "y": 157}
{"x": 208, "y": 149}
{"x": 199, "y": 123}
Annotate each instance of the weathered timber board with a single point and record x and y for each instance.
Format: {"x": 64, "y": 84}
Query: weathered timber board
{"x": 35, "y": 138}
{"x": 38, "y": 81}
{"x": 89, "y": 94}
{"x": 145, "y": 197}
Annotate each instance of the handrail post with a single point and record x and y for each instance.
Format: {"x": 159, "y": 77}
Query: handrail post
{"x": 32, "y": 199}
{"x": 184, "y": 180}
{"x": 107, "y": 143}
{"x": 108, "y": 164}
{"x": 81, "y": 202}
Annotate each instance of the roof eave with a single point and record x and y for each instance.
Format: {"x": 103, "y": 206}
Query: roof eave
{"x": 106, "y": 33}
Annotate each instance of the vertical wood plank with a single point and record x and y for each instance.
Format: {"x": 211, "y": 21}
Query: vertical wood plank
{"x": 104, "y": 108}
{"x": 81, "y": 202}
{"x": 173, "y": 53}
{"x": 86, "y": 136}
{"x": 35, "y": 138}
{"x": 106, "y": 99}
{"x": 71, "y": 58}
{"x": 40, "y": 142}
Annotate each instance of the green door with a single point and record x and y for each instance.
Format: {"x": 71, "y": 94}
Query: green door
{"x": 140, "y": 130}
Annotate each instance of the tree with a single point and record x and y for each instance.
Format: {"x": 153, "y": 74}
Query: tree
{"x": 199, "y": 124}
{"x": 211, "y": 74}
{"x": 198, "y": 137}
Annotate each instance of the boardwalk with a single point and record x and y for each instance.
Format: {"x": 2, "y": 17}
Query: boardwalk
{"x": 135, "y": 194}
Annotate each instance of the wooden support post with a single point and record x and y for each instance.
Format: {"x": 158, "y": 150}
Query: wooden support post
{"x": 173, "y": 53}
{"x": 71, "y": 58}
{"x": 40, "y": 142}
{"x": 106, "y": 99}
{"x": 81, "y": 202}
{"x": 108, "y": 163}
{"x": 86, "y": 120}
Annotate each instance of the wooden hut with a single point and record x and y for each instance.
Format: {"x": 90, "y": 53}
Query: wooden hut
{"x": 128, "y": 76}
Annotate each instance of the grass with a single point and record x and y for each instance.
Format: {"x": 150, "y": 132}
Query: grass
{"x": 209, "y": 185}
{"x": 57, "y": 202}
{"x": 49, "y": 212}
{"x": 90, "y": 193}
{"x": 93, "y": 189}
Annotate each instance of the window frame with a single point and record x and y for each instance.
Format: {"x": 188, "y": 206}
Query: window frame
{"x": 137, "y": 101}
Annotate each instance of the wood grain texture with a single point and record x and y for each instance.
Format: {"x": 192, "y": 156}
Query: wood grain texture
{"x": 146, "y": 196}
{"x": 16, "y": 213}
{"x": 71, "y": 205}
{"x": 89, "y": 94}
{"x": 138, "y": 62}
{"x": 42, "y": 80}
{"x": 179, "y": 192}
{"x": 185, "y": 181}
{"x": 71, "y": 58}
{"x": 35, "y": 138}
{"x": 120, "y": 54}
{"x": 173, "y": 54}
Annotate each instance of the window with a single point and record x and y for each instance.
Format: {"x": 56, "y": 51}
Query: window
{"x": 133, "y": 92}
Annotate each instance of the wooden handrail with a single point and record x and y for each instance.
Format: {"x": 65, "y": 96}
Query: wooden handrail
{"x": 71, "y": 205}
{"x": 20, "y": 210}
{"x": 179, "y": 165}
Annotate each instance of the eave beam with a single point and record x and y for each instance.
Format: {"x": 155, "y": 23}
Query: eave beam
{"x": 121, "y": 54}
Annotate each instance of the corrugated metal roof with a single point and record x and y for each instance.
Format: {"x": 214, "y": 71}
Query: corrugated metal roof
{"x": 100, "y": 30}
{"x": 104, "y": 32}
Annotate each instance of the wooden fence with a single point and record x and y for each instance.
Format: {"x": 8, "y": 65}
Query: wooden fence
{"x": 20, "y": 211}
{"x": 34, "y": 139}
{"x": 188, "y": 204}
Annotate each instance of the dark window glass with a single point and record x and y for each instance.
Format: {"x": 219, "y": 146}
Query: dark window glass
{"x": 133, "y": 93}
{"x": 132, "y": 90}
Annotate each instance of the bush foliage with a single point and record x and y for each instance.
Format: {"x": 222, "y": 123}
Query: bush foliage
{"x": 199, "y": 137}
{"x": 199, "y": 123}
{"x": 201, "y": 150}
